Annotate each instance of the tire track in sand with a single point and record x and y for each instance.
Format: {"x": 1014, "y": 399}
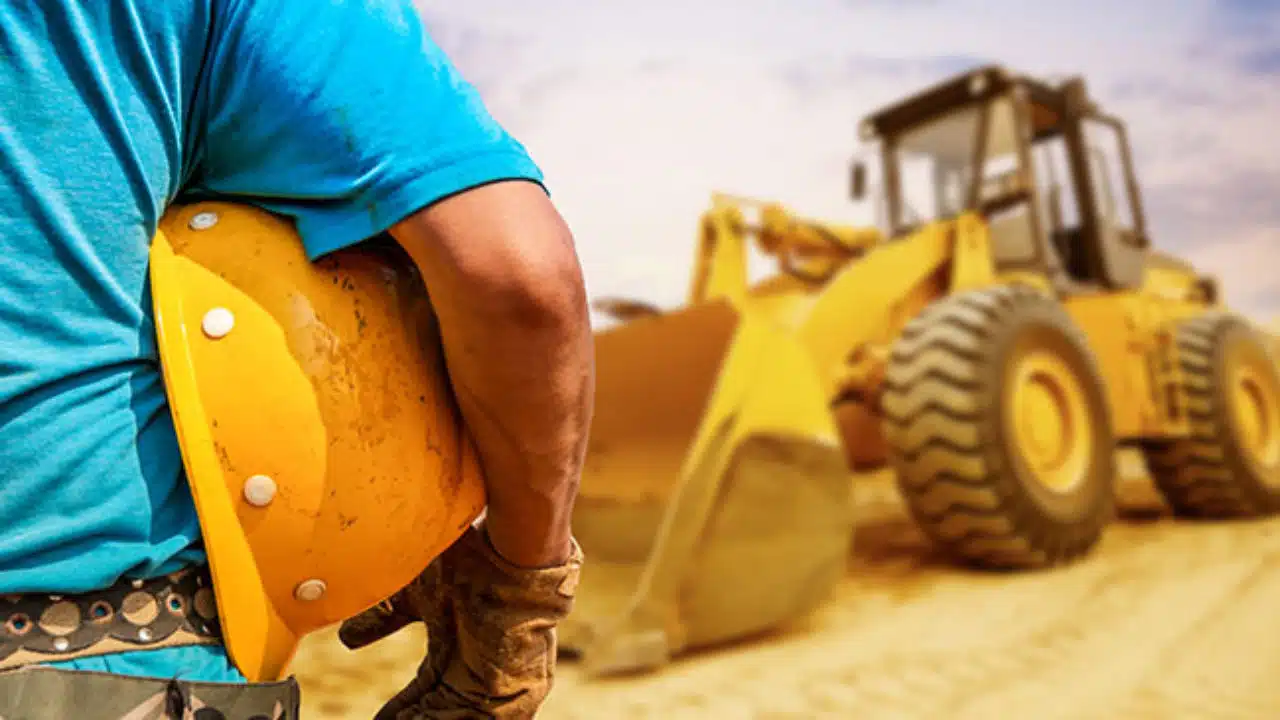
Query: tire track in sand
{"x": 1164, "y": 620}
{"x": 1224, "y": 667}
{"x": 1124, "y": 634}
{"x": 1071, "y": 644}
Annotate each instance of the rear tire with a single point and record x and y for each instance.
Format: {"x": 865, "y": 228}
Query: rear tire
{"x": 979, "y": 479}
{"x": 1229, "y": 466}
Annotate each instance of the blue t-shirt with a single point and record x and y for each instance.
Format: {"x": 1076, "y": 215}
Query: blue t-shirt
{"x": 342, "y": 114}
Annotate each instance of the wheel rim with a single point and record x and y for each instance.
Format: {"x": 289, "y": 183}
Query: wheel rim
{"x": 1255, "y": 407}
{"x": 1050, "y": 417}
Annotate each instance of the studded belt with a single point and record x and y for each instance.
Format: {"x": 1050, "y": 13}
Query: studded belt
{"x": 168, "y": 611}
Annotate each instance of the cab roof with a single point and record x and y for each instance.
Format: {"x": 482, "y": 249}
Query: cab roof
{"x": 959, "y": 90}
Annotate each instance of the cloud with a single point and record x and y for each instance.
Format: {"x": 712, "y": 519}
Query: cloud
{"x": 847, "y": 71}
{"x": 510, "y": 66}
{"x": 1246, "y": 266}
{"x": 1261, "y": 61}
{"x": 1245, "y": 15}
{"x": 637, "y": 111}
{"x": 1246, "y": 33}
{"x": 1228, "y": 226}
{"x": 479, "y": 52}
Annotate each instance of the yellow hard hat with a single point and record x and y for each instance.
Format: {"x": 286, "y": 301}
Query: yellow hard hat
{"x": 321, "y": 439}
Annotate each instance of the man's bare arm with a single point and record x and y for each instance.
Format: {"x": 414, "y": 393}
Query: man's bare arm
{"x": 505, "y": 281}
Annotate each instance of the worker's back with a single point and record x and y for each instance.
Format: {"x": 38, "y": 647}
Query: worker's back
{"x": 110, "y": 110}
{"x": 93, "y": 137}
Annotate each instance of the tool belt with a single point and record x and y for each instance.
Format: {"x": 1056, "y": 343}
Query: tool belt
{"x": 44, "y": 693}
{"x": 168, "y": 611}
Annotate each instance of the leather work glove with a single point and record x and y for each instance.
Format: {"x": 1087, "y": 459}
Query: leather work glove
{"x": 491, "y": 642}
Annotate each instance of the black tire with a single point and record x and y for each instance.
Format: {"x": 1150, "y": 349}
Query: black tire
{"x": 1212, "y": 473}
{"x": 952, "y": 444}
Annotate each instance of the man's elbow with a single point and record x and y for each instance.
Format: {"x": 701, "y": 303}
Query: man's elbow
{"x": 550, "y": 291}
{"x": 539, "y": 281}
{"x": 501, "y": 251}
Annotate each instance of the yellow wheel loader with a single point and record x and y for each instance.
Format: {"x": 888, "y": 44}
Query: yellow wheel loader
{"x": 995, "y": 342}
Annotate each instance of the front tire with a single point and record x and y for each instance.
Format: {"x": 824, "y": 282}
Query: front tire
{"x": 999, "y": 427}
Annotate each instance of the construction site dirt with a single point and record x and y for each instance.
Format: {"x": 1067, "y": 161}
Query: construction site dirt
{"x": 1167, "y": 619}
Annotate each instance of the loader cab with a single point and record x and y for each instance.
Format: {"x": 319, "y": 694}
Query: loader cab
{"x": 1051, "y": 175}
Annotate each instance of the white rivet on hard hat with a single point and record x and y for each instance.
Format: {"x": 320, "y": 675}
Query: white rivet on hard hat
{"x": 218, "y": 322}
{"x": 144, "y": 634}
{"x": 203, "y": 221}
{"x": 259, "y": 490}
{"x": 61, "y": 644}
{"x": 309, "y": 590}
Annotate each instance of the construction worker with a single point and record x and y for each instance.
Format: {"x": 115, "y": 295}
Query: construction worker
{"x": 202, "y": 208}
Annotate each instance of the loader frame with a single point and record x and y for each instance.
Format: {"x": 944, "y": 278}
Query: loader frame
{"x": 799, "y": 366}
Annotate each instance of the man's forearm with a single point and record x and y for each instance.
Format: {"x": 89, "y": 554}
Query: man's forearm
{"x": 507, "y": 288}
{"x": 524, "y": 384}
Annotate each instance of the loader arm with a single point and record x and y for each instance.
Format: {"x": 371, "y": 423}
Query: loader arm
{"x": 865, "y": 305}
{"x": 809, "y": 250}
{"x": 806, "y": 250}
{"x": 720, "y": 266}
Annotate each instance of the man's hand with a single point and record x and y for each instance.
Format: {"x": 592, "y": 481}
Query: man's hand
{"x": 506, "y": 285}
{"x": 491, "y": 647}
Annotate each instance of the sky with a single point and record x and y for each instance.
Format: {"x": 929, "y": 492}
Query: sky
{"x": 638, "y": 111}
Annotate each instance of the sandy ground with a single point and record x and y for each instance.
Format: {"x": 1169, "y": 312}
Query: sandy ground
{"x": 1167, "y": 620}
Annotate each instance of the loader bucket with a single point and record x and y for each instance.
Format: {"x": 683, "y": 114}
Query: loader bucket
{"x": 715, "y": 501}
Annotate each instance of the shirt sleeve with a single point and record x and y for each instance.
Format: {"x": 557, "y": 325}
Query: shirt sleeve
{"x": 342, "y": 114}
